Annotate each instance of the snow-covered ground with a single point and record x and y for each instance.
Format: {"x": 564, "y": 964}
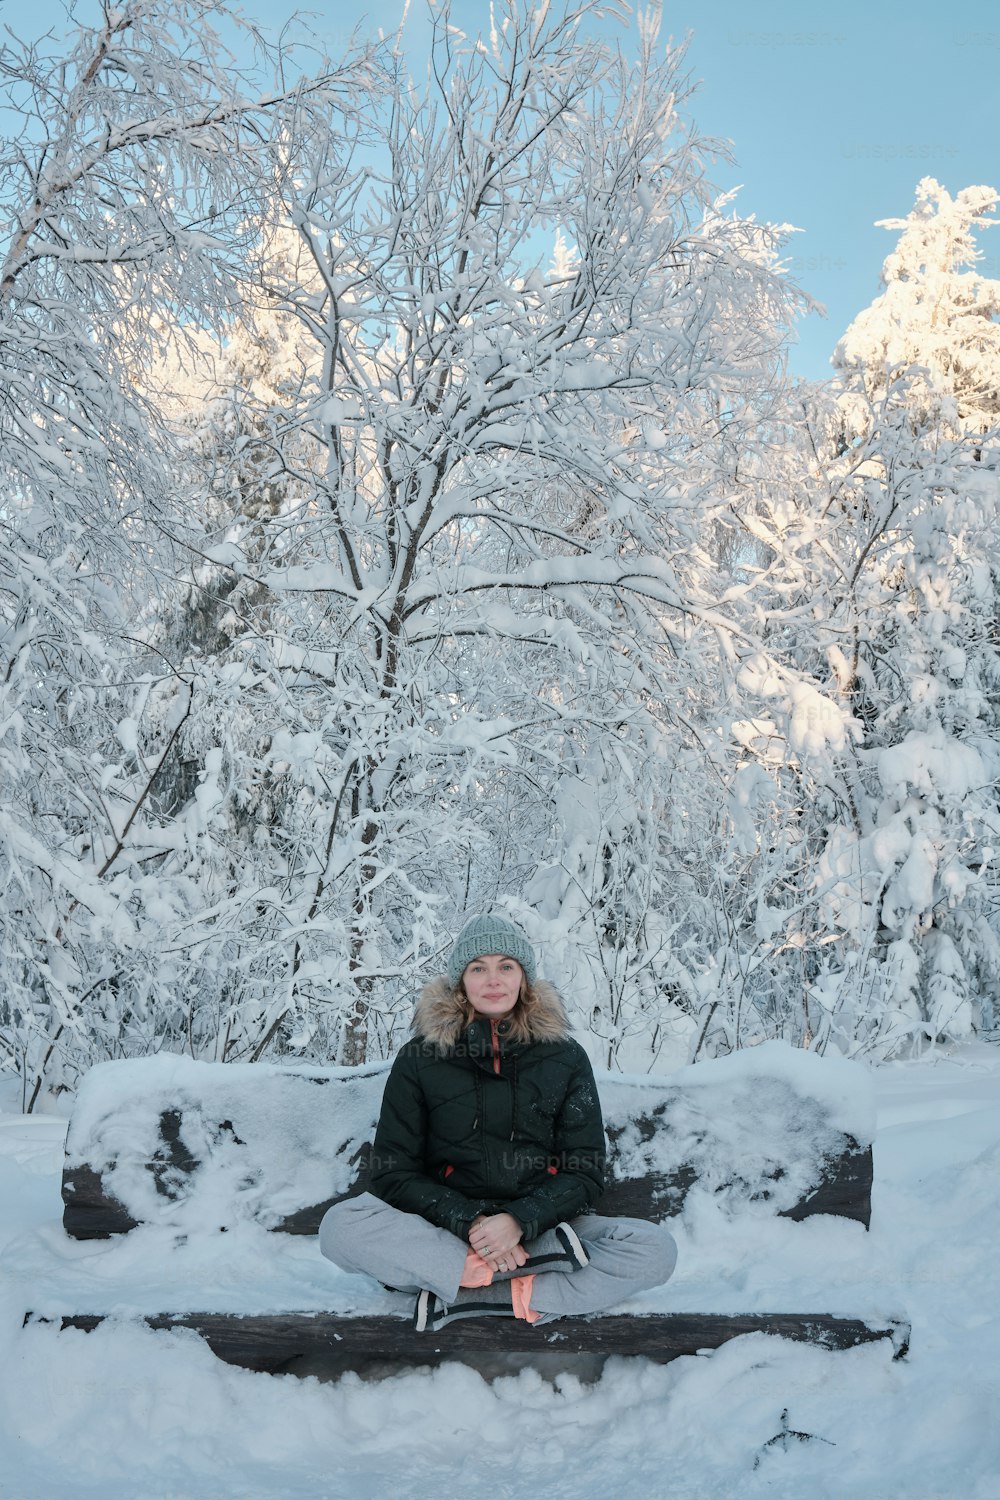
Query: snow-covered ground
{"x": 126, "y": 1414}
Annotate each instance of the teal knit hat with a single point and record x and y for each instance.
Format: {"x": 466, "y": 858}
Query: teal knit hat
{"x": 490, "y": 934}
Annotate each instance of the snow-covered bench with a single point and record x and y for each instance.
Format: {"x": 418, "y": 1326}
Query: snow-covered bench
{"x": 190, "y": 1150}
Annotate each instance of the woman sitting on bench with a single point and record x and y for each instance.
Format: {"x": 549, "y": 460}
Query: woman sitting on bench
{"x": 489, "y": 1156}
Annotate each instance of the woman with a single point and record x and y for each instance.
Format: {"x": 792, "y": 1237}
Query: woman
{"x": 489, "y": 1155}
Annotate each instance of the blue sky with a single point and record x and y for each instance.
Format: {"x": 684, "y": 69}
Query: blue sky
{"x": 834, "y": 112}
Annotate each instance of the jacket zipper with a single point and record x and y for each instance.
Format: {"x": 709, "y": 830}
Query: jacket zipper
{"x": 495, "y": 1038}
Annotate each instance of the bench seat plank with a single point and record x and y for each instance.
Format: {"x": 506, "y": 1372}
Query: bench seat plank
{"x": 275, "y": 1342}
{"x": 167, "y": 1137}
{"x": 91, "y": 1212}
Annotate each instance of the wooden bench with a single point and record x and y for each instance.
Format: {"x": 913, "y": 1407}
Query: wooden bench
{"x": 203, "y": 1148}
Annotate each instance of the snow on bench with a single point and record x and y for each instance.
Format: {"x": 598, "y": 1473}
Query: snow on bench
{"x": 204, "y": 1148}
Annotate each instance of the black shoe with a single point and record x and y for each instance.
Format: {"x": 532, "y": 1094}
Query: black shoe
{"x": 431, "y": 1313}
{"x": 560, "y": 1249}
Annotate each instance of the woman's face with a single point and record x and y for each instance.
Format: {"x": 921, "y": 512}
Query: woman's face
{"x": 493, "y": 984}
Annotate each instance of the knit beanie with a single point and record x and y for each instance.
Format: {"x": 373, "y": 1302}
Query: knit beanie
{"x": 490, "y": 934}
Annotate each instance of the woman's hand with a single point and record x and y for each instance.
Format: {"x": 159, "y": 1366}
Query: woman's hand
{"x": 497, "y": 1239}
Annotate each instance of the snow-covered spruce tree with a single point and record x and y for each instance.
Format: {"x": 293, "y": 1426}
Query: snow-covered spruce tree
{"x": 912, "y": 880}
{"x": 500, "y": 559}
{"x": 936, "y": 322}
{"x": 907, "y": 877}
{"x": 127, "y": 194}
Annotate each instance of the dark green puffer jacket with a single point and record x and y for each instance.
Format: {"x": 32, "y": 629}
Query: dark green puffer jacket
{"x": 500, "y": 1117}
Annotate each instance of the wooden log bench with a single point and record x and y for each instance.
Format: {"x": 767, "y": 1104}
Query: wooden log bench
{"x": 200, "y": 1149}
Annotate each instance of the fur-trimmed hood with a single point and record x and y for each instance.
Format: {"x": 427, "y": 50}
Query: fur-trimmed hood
{"x": 441, "y": 1014}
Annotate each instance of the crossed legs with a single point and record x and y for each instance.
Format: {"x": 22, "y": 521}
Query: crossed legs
{"x": 404, "y": 1251}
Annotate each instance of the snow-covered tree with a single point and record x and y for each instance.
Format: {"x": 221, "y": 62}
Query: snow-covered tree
{"x": 911, "y": 877}
{"x": 894, "y": 530}
{"x": 937, "y": 323}
{"x": 128, "y": 194}
{"x": 538, "y": 341}
{"x": 439, "y": 557}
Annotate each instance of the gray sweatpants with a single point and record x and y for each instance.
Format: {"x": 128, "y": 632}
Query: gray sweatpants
{"x": 406, "y": 1252}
